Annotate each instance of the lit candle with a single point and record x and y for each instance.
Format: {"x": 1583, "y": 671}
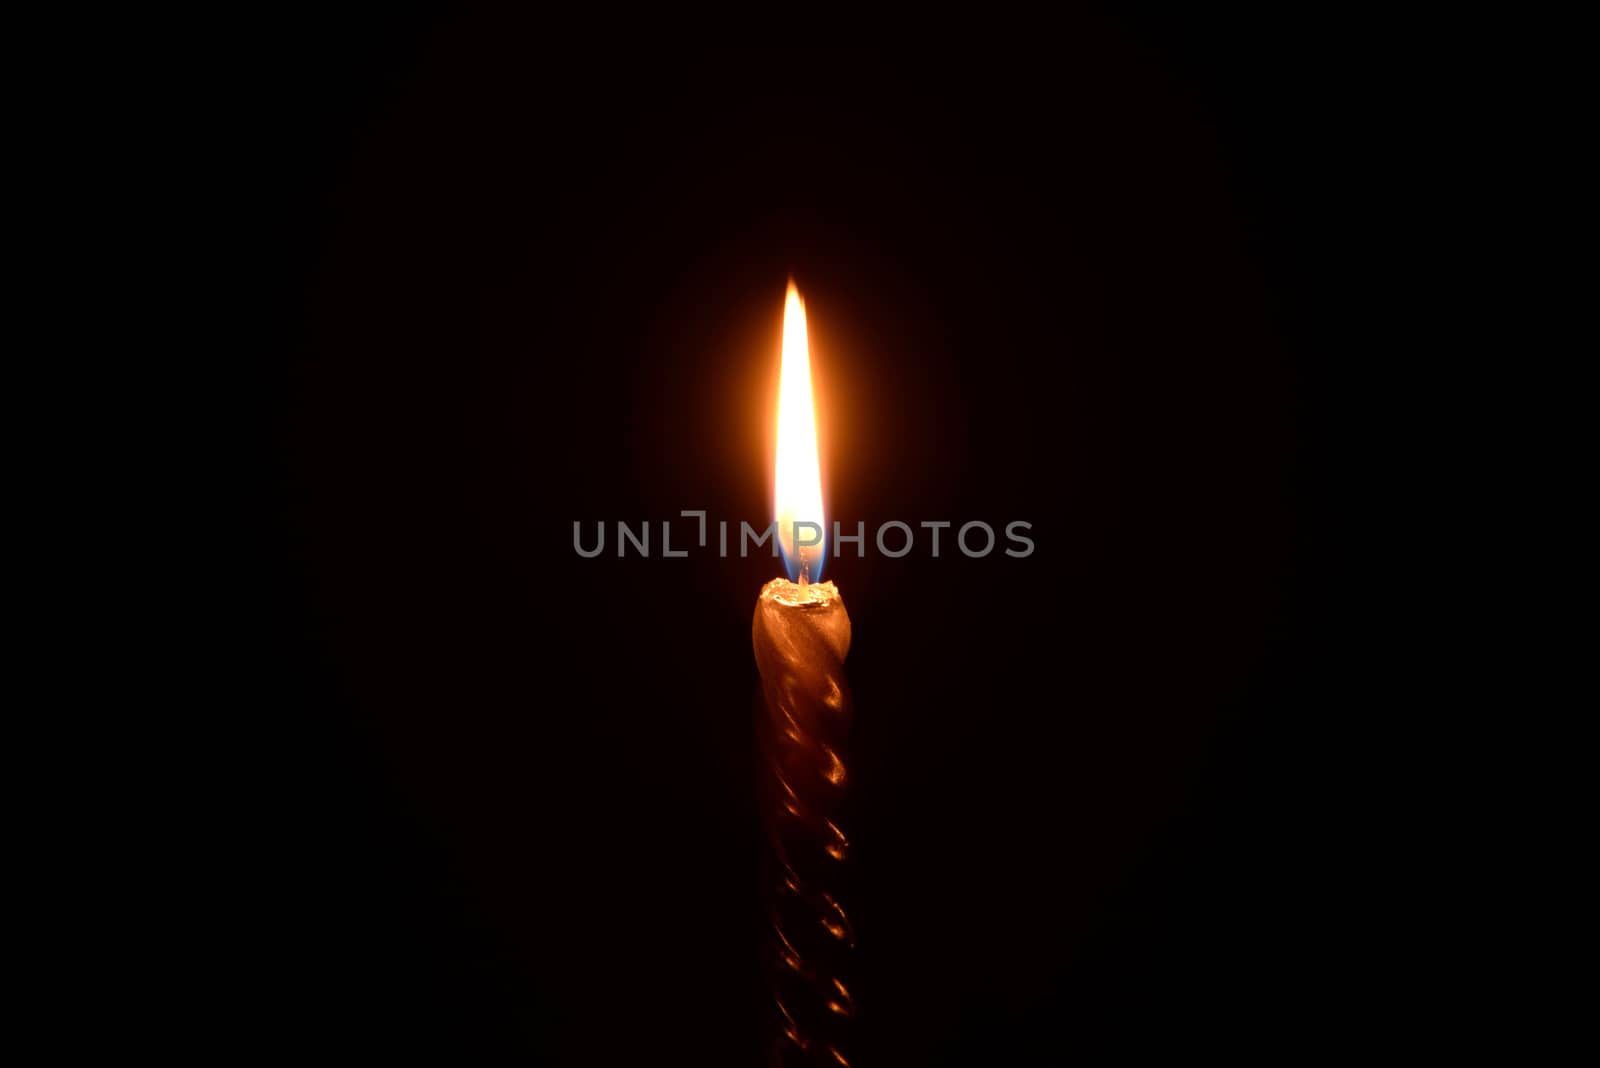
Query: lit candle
{"x": 801, "y": 634}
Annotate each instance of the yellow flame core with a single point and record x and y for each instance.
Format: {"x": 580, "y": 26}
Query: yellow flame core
{"x": 798, "y": 480}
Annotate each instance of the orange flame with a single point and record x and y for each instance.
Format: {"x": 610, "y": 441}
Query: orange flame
{"x": 798, "y": 478}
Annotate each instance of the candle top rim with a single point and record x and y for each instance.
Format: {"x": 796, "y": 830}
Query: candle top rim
{"x": 794, "y": 595}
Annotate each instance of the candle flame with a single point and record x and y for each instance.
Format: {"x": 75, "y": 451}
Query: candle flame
{"x": 798, "y": 479}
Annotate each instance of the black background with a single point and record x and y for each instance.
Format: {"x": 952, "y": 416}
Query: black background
{"x": 488, "y": 801}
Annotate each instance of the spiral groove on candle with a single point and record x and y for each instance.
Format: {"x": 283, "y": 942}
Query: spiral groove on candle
{"x": 801, "y": 635}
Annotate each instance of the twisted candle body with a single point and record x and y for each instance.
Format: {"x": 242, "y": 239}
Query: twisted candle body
{"x": 801, "y": 635}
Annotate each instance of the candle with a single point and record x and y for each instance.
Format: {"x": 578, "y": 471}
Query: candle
{"x": 801, "y": 634}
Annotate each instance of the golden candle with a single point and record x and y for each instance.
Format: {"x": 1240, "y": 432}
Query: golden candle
{"x": 801, "y": 634}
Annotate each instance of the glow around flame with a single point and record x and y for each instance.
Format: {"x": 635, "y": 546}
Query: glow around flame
{"x": 798, "y": 480}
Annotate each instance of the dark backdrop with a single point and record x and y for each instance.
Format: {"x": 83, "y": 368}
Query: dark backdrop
{"x": 496, "y": 803}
